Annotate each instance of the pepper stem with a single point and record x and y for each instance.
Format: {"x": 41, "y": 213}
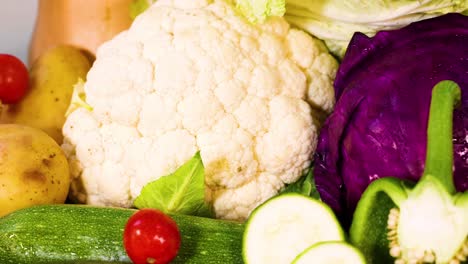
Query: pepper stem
{"x": 439, "y": 156}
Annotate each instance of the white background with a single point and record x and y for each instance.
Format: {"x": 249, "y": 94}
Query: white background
{"x": 17, "y": 18}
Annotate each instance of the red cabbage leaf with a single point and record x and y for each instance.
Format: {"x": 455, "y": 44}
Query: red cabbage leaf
{"x": 383, "y": 89}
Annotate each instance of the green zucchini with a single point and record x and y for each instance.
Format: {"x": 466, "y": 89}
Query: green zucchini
{"x": 90, "y": 235}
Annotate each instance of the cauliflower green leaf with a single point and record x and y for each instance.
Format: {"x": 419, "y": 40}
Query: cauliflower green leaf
{"x": 305, "y": 186}
{"x": 139, "y": 6}
{"x": 182, "y": 192}
{"x": 259, "y": 10}
{"x": 78, "y": 99}
{"x": 256, "y": 11}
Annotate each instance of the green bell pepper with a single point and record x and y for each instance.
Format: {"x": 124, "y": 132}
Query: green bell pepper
{"x": 397, "y": 221}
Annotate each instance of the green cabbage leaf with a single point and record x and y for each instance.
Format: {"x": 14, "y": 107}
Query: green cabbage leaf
{"x": 335, "y": 21}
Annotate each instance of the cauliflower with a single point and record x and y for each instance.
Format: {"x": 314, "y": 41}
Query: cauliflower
{"x": 194, "y": 76}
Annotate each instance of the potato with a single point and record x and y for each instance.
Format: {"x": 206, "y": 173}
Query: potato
{"x": 52, "y": 78}
{"x": 33, "y": 169}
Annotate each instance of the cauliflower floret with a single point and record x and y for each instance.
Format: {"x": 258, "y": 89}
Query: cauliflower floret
{"x": 194, "y": 75}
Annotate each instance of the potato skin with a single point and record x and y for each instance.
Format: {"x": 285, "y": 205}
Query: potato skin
{"x": 52, "y": 78}
{"x": 33, "y": 169}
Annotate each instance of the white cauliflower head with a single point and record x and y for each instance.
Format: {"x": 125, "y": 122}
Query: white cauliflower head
{"x": 194, "y": 75}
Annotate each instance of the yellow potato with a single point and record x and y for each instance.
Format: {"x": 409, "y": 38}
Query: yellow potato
{"x": 52, "y": 78}
{"x": 33, "y": 169}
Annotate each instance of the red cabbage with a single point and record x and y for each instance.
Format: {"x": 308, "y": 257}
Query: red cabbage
{"x": 383, "y": 89}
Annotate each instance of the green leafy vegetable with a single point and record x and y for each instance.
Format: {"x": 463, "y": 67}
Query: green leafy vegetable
{"x": 335, "y": 21}
{"x": 256, "y": 11}
{"x": 182, "y": 192}
{"x": 259, "y": 10}
{"x": 78, "y": 99}
{"x": 305, "y": 186}
{"x": 139, "y": 6}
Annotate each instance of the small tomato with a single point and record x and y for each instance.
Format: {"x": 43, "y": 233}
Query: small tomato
{"x": 150, "y": 236}
{"x": 14, "y": 79}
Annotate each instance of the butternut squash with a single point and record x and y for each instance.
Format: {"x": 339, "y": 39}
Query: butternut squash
{"x": 85, "y": 24}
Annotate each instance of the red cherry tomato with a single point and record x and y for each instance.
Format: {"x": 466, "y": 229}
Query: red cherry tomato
{"x": 14, "y": 79}
{"x": 150, "y": 236}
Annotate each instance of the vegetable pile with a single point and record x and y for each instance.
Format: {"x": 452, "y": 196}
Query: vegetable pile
{"x": 243, "y": 131}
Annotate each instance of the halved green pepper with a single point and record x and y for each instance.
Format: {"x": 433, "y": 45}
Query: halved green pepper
{"x": 396, "y": 221}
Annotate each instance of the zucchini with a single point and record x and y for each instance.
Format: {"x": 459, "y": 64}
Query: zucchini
{"x": 284, "y": 226}
{"x": 335, "y": 252}
{"x": 85, "y": 234}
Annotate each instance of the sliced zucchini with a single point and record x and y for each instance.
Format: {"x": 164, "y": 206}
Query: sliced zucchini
{"x": 335, "y": 252}
{"x": 284, "y": 226}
